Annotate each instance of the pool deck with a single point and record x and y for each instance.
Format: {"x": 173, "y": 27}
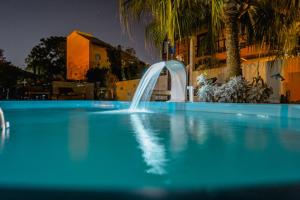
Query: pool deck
{"x": 260, "y": 110}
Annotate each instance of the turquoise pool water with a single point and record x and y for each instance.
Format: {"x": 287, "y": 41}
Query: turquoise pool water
{"x": 96, "y": 148}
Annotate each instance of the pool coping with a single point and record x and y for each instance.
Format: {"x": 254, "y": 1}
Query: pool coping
{"x": 260, "y": 110}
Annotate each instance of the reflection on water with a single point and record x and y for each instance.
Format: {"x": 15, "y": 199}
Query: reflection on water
{"x": 290, "y": 139}
{"x": 178, "y": 133}
{"x": 5, "y": 133}
{"x": 256, "y": 141}
{"x": 251, "y": 132}
{"x": 153, "y": 152}
{"x": 198, "y": 129}
{"x": 78, "y": 137}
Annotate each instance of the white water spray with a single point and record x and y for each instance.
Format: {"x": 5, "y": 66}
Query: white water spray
{"x": 145, "y": 88}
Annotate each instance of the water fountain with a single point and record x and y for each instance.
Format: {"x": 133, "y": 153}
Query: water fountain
{"x": 148, "y": 81}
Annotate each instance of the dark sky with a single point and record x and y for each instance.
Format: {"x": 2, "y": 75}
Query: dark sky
{"x": 24, "y": 22}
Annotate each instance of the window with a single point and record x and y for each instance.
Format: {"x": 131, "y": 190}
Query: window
{"x": 97, "y": 57}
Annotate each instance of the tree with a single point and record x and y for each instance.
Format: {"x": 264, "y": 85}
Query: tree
{"x": 115, "y": 58}
{"x": 8, "y": 72}
{"x": 9, "y": 77}
{"x": 48, "y": 58}
{"x": 163, "y": 20}
{"x": 230, "y": 12}
{"x": 176, "y": 18}
{"x": 2, "y": 58}
{"x": 97, "y": 74}
{"x": 266, "y": 21}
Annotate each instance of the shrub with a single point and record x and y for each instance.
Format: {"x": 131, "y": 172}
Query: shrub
{"x": 236, "y": 90}
{"x": 259, "y": 92}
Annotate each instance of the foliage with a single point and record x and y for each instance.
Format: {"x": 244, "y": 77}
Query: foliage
{"x": 266, "y": 23}
{"x": 271, "y": 23}
{"x": 234, "y": 91}
{"x": 9, "y": 76}
{"x": 8, "y": 72}
{"x": 48, "y": 58}
{"x": 124, "y": 65}
{"x": 2, "y": 58}
{"x": 114, "y": 55}
{"x": 103, "y": 78}
{"x": 97, "y": 74}
{"x": 237, "y": 90}
{"x": 134, "y": 70}
{"x": 162, "y": 18}
{"x": 259, "y": 91}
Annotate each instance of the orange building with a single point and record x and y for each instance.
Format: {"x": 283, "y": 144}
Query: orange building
{"x": 83, "y": 52}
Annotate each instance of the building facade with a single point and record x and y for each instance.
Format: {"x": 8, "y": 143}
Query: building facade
{"x": 84, "y": 51}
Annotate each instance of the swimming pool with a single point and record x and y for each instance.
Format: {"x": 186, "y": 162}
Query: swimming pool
{"x": 92, "y": 146}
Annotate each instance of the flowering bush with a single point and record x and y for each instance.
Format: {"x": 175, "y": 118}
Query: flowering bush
{"x": 236, "y": 90}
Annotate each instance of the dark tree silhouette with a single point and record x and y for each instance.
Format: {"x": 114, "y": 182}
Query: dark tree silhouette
{"x": 48, "y": 58}
{"x": 114, "y": 55}
{"x": 97, "y": 75}
{"x": 9, "y": 77}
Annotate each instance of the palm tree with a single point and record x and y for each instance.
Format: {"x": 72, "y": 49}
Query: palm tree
{"x": 266, "y": 21}
{"x": 269, "y": 23}
{"x": 274, "y": 24}
{"x": 230, "y": 19}
{"x": 277, "y": 24}
{"x": 161, "y": 16}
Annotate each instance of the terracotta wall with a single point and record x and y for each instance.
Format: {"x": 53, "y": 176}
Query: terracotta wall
{"x": 291, "y": 73}
{"x": 246, "y": 52}
{"x": 125, "y": 89}
{"x": 77, "y": 57}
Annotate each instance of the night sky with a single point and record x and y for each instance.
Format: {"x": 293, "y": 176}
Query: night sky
{"x": 24, "y": 22}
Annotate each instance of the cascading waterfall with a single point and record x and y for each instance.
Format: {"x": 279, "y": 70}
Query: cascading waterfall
{"x": 146, "y": 85}
{"x": 145, "y": 88}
